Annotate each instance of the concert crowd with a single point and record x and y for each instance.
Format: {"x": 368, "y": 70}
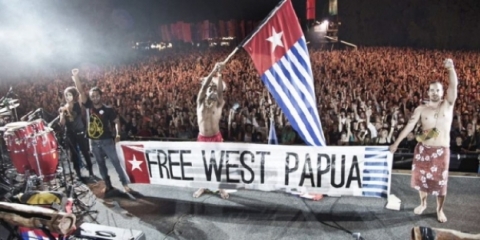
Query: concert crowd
{"x": 364, "y": 96}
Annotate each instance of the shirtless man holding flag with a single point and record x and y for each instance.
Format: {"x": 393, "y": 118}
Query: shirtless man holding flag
{"x": 210, "y": 103}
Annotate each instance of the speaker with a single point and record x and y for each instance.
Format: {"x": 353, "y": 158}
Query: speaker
{"x": 101, "y": 232}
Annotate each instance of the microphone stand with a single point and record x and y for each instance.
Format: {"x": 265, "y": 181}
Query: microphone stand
{"x": 63, "y": 145}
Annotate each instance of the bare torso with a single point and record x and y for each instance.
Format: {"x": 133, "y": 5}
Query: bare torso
{"x": 209, "y": 119}
{"x": 442, "y": 122}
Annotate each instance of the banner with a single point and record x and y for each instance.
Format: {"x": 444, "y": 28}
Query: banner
{"x": 348, "y": 171}
{"x": 311, "y": 9}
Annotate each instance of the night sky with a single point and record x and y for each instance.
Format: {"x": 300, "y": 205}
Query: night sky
{"x": 35, "y": 33}
{"x": 64, "y": 31}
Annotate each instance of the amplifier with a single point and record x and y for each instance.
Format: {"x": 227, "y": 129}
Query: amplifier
{"x": 100, "y": 232}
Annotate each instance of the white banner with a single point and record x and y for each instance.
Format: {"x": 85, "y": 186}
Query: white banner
{"x": 348, "y": 171}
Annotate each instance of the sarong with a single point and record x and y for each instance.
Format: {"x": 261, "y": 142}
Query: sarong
{"x": 430, "y": 169}
{"x": 215, "y": 138}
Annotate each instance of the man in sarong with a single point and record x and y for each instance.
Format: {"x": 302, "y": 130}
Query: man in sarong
{"x": 432, "y": 154}
{"x": 210, "y": 104}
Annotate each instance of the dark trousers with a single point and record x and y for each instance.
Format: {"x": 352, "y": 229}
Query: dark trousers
{"x": 82, "y": 142}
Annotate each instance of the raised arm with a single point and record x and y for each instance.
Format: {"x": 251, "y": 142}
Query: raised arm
{"x": 78, "y": 85}
{"x": 206, "y": 83}
{"x": 453, "y": 81}
{"x": 220, "y": 86}
{"x": 407, "y": 129}
{"x": 203, "y": 90}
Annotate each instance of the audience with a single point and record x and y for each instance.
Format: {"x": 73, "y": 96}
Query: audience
{"x": 364, "y": 96}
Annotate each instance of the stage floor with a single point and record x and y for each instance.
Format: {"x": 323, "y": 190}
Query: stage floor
{"x": 172, "y": 213}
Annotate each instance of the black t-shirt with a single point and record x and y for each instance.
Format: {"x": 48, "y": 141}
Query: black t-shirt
{"x": 76, "y": 125}
{"x": 100, "y": 121}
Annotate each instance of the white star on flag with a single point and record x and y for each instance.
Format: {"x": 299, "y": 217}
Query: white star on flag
{"x": 275, "y": 39}
{"x": 135, "y": 163}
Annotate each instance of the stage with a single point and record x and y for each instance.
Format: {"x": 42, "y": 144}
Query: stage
{"x": 172, "y": 213}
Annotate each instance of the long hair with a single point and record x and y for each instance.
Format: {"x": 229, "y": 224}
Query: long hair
{"x": 73, "y": 91}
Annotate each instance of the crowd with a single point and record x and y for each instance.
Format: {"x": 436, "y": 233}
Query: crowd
{"x": 364, "y": 96}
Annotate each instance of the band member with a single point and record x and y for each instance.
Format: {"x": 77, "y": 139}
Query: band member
{"x": 101, "y": 118}
{"x": 432, "y": 153}
{"x": 209, "y": 110}
{"x": 71, "y": 118}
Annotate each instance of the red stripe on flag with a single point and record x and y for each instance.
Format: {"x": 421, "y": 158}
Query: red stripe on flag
{"x": 136, "y": 163}
{"x": 282, "y": 26}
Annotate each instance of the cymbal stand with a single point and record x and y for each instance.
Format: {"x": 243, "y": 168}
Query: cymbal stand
{"x": 13, "y": 115}
{"x": 65, "y": 152}
{"x": 79, "y": 208}
{"x": 34, "y": 144}
{"x": 64, "y": 156}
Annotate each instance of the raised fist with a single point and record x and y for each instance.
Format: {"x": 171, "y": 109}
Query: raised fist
{"x": 219, "y": 66}
{"x": 75, "y": 72}
{"x": 448, "y": 63}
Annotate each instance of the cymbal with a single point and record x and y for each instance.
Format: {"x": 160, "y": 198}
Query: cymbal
{"x": 11, "y": 107}
{"x": 8, "y": 102}
{"x": 5, "y": 114}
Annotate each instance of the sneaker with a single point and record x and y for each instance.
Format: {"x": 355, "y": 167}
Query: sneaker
{"x": 109, "y": 189}
{"x": 128, "y": 190}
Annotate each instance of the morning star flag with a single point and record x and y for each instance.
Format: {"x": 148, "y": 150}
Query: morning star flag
{"x": 272, "y": 135}
{"x": 279, "y": 51}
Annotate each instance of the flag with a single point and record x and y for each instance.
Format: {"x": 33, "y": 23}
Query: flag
{"x": 279, "y": 52}
{"x": 272, "y": 135}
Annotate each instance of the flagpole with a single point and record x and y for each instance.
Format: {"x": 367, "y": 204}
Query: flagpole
{"x": 257, "y": 29}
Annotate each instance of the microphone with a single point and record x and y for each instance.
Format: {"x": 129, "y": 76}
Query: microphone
{"x": 50, "y": 124}
{"x": 32, "y": 115}
{"x": 38, "y": 110}
{"x": 24, "y": 118}
{"x": 10, "y": 92}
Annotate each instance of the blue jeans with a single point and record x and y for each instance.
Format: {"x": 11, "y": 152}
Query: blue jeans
{"x": 107, "y": 146}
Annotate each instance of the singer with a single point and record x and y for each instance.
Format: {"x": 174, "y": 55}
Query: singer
{"x": 71, "y": 118}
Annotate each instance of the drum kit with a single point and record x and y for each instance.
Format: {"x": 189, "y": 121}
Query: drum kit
{"x": 29, "y": 149}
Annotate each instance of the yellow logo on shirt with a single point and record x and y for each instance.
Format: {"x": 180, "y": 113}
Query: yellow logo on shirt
{"x": 95, "y": 128}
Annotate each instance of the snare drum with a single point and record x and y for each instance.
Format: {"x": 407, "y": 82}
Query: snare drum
{"x": 44, "y": 147}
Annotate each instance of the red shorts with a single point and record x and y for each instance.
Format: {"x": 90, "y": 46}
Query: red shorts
{"x": 215, "y": 138}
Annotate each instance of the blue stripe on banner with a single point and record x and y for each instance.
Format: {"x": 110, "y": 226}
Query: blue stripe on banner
{"x": 378, "y": 159}
{"x": 375, "y": 194}
{"x": 378, "y": 164}
{"x": 367, "y": 171}
{"x": 378, "y": 155}
{"x": 376, "y": 149}
{"x": 375, "y": 186}
{"x": 376, "y": 179}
